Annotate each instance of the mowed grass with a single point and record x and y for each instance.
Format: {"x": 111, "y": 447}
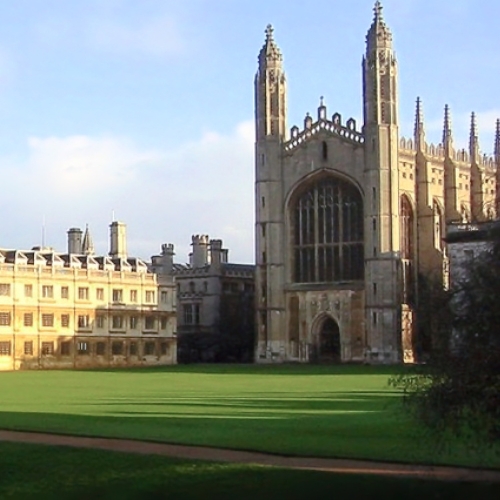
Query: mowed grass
{"x": 345, "y": 411}
{"x": 32, "y": 471}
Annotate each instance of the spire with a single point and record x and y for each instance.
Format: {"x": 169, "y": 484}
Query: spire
{"x": 270, "y": 53}
{"x": 474, "y": 139}
{"x": 87, "y": 244}
{"x": 497, "y": 143}
{"x": 447, "y": 132}
{"x": 419, "y": 131}
{"x": 379, "y": 35}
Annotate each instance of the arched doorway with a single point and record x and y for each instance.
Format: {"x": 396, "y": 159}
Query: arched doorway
{"x": 329, "y": 342}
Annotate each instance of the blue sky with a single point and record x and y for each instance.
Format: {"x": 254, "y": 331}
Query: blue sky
{"x": 146, "y": 108}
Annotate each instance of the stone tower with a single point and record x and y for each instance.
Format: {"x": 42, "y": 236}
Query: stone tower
{"x": 382, "y": 235}
{"x": 270, "y": 118}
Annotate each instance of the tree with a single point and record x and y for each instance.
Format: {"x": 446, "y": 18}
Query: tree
{"x": 458, "y": 390}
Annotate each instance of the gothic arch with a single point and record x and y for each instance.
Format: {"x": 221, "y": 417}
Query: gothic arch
{"x": 326, "y": 221}
{"x": 437, "y": 224}
{"x": 407, "y": 228}
{"x": 326, "y": 339}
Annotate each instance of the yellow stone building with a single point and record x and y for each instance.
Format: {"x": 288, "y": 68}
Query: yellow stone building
{"x": 349, "y": 217}
{"x": 78, "y": 310}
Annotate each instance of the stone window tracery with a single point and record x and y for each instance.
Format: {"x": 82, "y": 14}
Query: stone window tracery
{"x": 407, "y": 248}
{"x": 406, "y": 218}
{"x": 438, "y": 226}
{"x": 328, "y": 233}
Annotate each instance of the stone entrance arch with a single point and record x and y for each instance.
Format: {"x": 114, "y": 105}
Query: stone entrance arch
{"x": 327, "y": 347}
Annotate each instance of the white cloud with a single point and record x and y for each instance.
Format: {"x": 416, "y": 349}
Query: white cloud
{"x": 203, "y": 186}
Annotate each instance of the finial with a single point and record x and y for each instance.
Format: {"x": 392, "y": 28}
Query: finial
{"x": 321, "y": 101}
{"x": 269, "y": 32}
{"x": 377, "y": 9}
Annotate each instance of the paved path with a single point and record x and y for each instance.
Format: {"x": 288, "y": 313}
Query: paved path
{"x": 243, "y": 457}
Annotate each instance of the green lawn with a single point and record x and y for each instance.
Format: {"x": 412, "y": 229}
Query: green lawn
{"x": 346, "y": 411}
{"x": 32, "y": 471}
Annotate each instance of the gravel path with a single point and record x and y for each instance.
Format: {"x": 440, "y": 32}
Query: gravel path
{"x": 342, "y": 466}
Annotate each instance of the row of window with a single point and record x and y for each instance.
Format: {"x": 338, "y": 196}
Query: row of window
{"x": 83, "y": 321}
{"x": 84, "y": 293}
{"x": 86, "y": 348}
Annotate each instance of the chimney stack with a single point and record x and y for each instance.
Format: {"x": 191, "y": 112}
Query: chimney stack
{"x": 75, "y": 241}
{"x": 216, "y": 252}
{"x": 118, "y": 240}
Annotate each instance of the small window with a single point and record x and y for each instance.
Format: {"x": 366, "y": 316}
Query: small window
{"x": 83, "y": 293}
{"x": 164, "y": 297}
{"x": 164, "y": 323}
{"x": 5, "y": 289}
{"x": 149, "y": 348}
{"x": 150, "y": 296}
{"x": 374, "y": 289}
{"x": 133, "y": 296}
{"x": 64, "y": 292}
{"x": 48, "y": 320}
{"x": 65, "y": 320}
{"x": 47, "y": 348}
{"x": 149, "y": 323}
{"x": 28, "y": 319}
{"x": 65, "y": 348}
{"x": 4, "y": 319}
{"x": 192, "y": 287}
{"x": 83, "y": 348}
{"x": 28, "y": 290}
{"x": 100, "y": 321}
{"x": 5, "y": 348}
{"x": 83, "y": 321}
{"x": 100, "y": 348}
{"x": 324, "y": 151}
{"x": 117, "y": 348}
{"x": 28, "y": 348}
{"x": 374, "y": 318}
{"x": 164, "y": 348}
{"x": 47, "y": 291}
{"x": 99, "y": 294}
{"x": 117, "y": 295}
{"x": 133, "y": 322}
{"x": 117, "y": 322}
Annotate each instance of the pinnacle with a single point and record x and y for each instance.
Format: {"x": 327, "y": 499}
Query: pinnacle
{"x": 447, "y": 125}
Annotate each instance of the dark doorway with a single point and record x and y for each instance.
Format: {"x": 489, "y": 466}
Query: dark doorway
{"x": 329, "y": 342}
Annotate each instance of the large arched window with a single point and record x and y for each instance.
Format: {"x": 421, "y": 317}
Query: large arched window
{"x": 438, "y": 225}
{"x": 407, "y": 248}
{"x": 406, "y": 217}
{"x": 328, "y": 233}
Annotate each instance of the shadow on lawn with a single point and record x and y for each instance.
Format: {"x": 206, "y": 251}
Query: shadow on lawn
{"x": 36, "y": 471}
{"x": 253, "y": 369}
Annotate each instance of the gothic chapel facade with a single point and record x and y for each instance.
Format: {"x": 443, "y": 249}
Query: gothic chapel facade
{"x": 348, "y": 217}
